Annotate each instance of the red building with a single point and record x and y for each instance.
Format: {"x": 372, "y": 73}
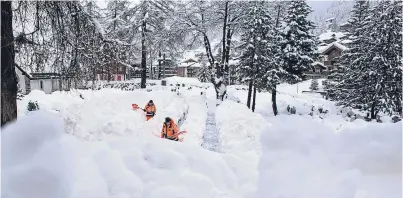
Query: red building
{"x": 113, "y": 72}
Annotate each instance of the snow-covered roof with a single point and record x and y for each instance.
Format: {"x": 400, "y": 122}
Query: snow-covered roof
{"x": 197, "y": 65}
{"x": 189, "y": 60}
{"x": 22, "y": 71}
{"x": 344, "y": 24}
{"x": 318, "y": 63}
{"x": 193, "y": 64}
{"x": 330, "y": 19}
{"x": 334, "y": 44}
{"x": 329, "y": 35}
{"x": 322, "y": 48}
{"x": 347, "y": 41}
{"x": 233, "y": 62}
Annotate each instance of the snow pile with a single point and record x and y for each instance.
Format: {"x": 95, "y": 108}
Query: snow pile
{"x": 104, "y": 115}
{"x": 303, "y": 159}
{"x": 39, "y": 160}
{"x": 239, "y": 127}
{"x": 56, "y": 101}
{"x": 239, "y": 130}
{"x": 35, "y": 159}
{"x": 108, "y": 112}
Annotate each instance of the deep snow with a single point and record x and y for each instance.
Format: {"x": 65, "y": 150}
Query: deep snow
{"x": 99, "y": 147}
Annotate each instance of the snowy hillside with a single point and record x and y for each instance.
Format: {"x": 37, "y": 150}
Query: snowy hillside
{"x": 99, "y": 147}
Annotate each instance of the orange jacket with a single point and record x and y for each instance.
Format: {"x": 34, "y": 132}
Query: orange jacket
{"x": 169, "y": 130}
{"x": 150, "y": 109}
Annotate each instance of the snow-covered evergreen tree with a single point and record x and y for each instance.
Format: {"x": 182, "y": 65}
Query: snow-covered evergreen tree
{"x": 256, "y": 26}
{"x": 299, "y": 45}
{"x": 372, "y": 75}
{"x": 314, "y": 85}
{"x": 273, "y": 72}
{"x": 359, "y": 13}
{"x": 349, "y": 59}
{"x": 204, "y": 74}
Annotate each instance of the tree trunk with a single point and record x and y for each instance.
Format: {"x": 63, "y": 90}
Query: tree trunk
{"x": 249, "y": 93}
{"x": 164, "y": 66}
{"x": 143, "y": 56}
{"x": 8, "y": 75}
{"x": 274, "y": 91}
{"x": 273, "y": 100}
{"x": 209, "y": 54}
{"x": 254, "y": 98}
{"x": 224, "y": 30}
{"x": 159, "y": 65}
{"x": 227, "y": 49}
{"x": 373, "y": 114}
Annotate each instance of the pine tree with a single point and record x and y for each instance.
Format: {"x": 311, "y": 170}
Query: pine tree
{"x": 314, "y": 85}
{"x": 256, "y": 26}
{"x": 373, "y": 76}
{"x": 273, "y": 72}
{"x": 359, "y": 19}
{"x": 299, "y": 45}
{"x": 204, "y": 73}
{"x": 359, "y": 13}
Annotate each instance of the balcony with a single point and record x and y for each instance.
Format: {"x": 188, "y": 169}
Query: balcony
{"x": 329, "y": 62}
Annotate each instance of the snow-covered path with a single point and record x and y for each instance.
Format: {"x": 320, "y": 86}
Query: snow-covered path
{"x": 211, "y": 138}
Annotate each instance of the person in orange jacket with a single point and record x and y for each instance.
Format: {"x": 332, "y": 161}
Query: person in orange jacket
{"x": 150, "y": 109}
{"x": 169, "y": 130}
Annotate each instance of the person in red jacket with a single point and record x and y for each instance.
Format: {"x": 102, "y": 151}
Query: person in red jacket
{"x": 169, "y": 130}
{"x": 150, "y": 109}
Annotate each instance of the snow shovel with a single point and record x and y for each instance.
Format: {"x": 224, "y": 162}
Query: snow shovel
{"x": 179, "y": 133}
{"x": 180, "y": 139}
{"x": 135, "y": 107}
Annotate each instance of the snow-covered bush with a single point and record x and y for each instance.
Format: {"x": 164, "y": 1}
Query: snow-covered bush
{"x": 291, "y": 110}
{"x": 32, "y": 106}
{"x": 314, "y": 85}
{"x": 396, "y": 119}
{"x": 20, "y": 95}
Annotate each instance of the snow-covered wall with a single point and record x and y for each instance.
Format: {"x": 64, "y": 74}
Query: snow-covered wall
{"x": 21, "y": 81}
{"x": 47, "y": 85}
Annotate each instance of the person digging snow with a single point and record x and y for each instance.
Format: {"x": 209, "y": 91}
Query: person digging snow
{"x": 169, "y": 130}
{"x": 150, "y": 109}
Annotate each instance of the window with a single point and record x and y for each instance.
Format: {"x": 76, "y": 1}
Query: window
{"x": 41, "y": 84}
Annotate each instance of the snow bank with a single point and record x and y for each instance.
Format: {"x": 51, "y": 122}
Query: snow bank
{"x": 239, "y": 130}
{"x": 195, "y": 123}
{"x": 35, "y": 161}
{"x": 39, "y": 160}
{"x": 302, "y": 158}
{"x": 108, "y": 112}
{"x": 239, "y": 127}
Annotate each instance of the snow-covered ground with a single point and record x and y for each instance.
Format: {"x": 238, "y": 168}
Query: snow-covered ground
{"x": 99, "y": 147}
